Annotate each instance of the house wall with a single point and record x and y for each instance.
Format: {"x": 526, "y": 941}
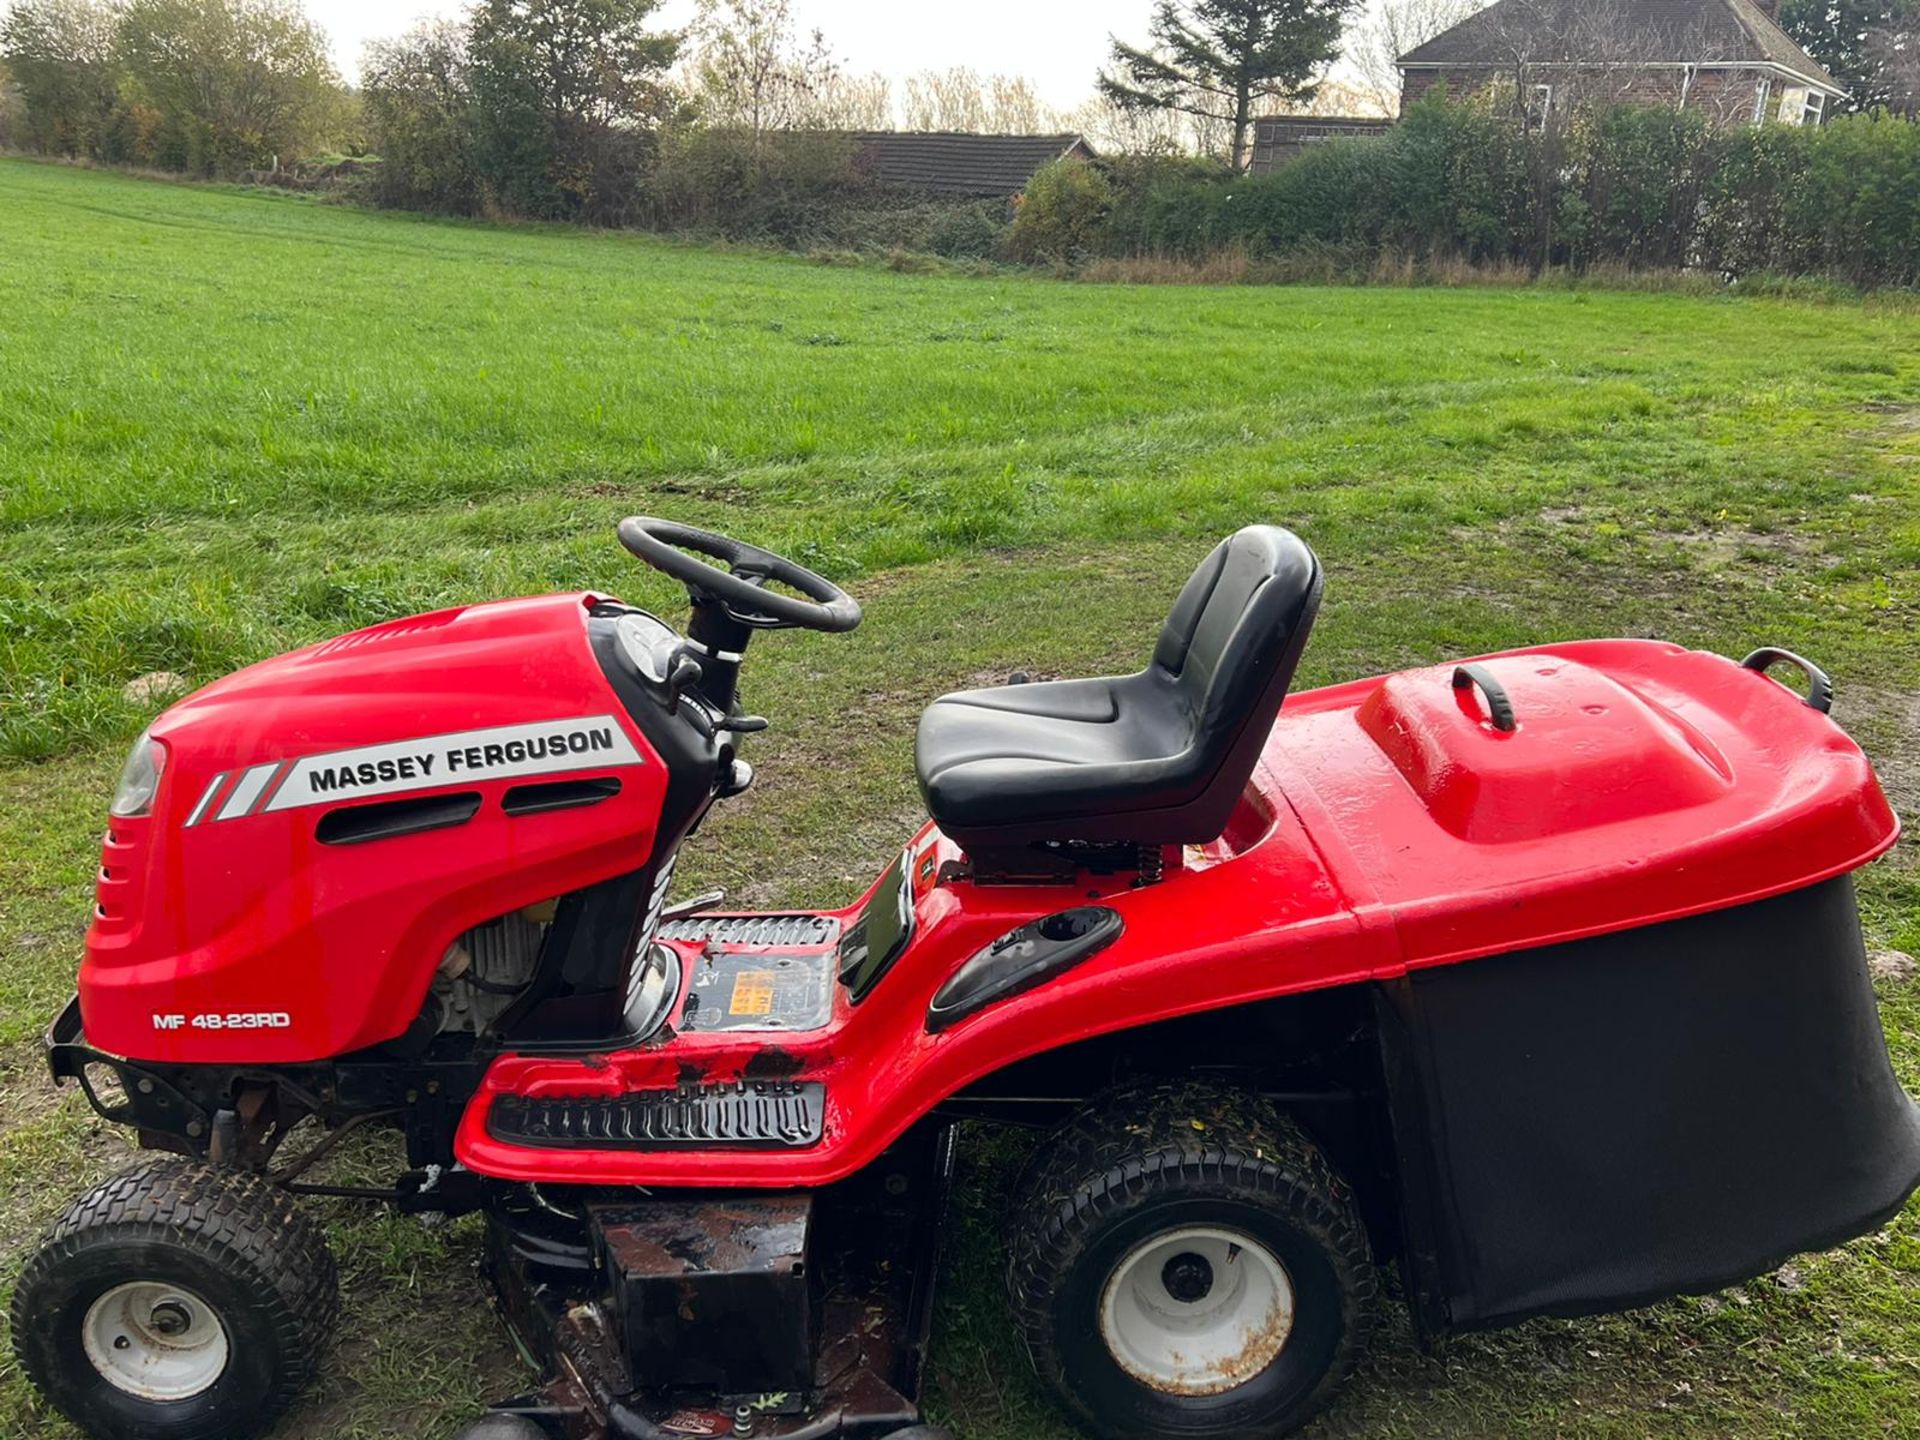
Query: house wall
{"x": 1727, "y": 95}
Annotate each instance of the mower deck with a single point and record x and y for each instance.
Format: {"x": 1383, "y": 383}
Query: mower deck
{"x": 830, "y": 1293}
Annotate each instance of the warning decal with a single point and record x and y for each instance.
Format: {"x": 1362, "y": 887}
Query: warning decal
{"x": 752, "y": 993}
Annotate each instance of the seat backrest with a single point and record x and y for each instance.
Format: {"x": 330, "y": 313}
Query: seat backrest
{"x": 1231, "y": 646}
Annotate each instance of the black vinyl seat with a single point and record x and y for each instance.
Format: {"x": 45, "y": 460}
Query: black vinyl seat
{"x": 1157, "y": 758}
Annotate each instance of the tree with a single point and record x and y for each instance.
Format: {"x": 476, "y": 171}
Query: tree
{"x": 1015, "y": 108}
{"x": 951, "y": 99}
{"x": 964, "y": 100}
{"x": 1219, "y": 59}
{"x": 1894, "y": 48}
{"x": 1393, "y": 28}
{"x": 853, "y": 102}
{"x": 1123, "y": 130}
{"x": 12, "y": 112}
{"x": 567, "y": 96}
{"x": 1851, "y": 38}
{"x": 754, "y": 72}
{"x": 237, "y": 83}
{"x": 418, "y": 96}
{"x": 60, "y": 56}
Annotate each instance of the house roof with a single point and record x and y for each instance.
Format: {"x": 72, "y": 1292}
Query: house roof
{"x": 951, "y": 163}
{"x": 1691, "y": 32}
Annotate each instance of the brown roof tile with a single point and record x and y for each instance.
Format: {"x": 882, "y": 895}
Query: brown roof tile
{"x": 951, "y": 163}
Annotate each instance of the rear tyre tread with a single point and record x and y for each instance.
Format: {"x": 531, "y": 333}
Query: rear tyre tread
{"x": 1103, "y": 1159}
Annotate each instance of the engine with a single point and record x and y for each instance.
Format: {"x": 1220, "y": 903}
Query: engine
{"x": 485, "y": 971}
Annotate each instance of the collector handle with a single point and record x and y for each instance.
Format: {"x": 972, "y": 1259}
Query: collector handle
{"x": 1819, "y": 688}
{"x": 1499, "y": 707}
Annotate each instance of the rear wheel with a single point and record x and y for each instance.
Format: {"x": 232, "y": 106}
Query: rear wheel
{"x": 1183, "y": 1261}
{"x": 175, "y": 1302}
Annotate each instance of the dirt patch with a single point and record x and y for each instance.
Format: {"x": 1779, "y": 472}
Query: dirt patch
{"x": 1891, "y": 722}
{"x": 52, "y": 1146}
{"x": 27, "y": 1093}
{"x": 1898, "y": 414}
{"x": 1728, "y": 544}
{"x": 995, "y": 678}
{"x": 1894, "y": 421}
{"x": 154, "y": 685}
{"x": 1891, "y": 964}
{"x": 717, "y": 492}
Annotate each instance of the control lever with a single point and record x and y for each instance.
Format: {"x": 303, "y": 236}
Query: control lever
{"x": 743, "y": 724}
{"x": 682, "y": 672}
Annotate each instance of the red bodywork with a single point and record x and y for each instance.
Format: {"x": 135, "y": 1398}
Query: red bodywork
{"x": 1390, "y": 826}
{"x": 252, "y": 915}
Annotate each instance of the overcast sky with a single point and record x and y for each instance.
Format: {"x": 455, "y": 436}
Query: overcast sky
{"x": 1058, "y": 44}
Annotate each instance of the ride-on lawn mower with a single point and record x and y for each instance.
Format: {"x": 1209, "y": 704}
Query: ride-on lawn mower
{"x": 1537, "y": 976}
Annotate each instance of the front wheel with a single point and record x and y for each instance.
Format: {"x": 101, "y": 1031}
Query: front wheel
{"x": 1185, "y": 1262}
{"x": 175, "y": 1302}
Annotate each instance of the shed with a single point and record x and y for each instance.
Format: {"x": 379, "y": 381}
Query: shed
{"x": 954, "y": 163}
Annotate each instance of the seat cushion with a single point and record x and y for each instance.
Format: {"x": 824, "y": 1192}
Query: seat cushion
{"x": 1159, "y": 757}
{"x": 1053, "y": 750}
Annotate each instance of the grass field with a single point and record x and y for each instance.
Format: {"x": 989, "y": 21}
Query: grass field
{"x": 232, "y": 422}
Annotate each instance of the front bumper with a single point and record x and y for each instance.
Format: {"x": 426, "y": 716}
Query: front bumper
{"x": 120, "y": 1090}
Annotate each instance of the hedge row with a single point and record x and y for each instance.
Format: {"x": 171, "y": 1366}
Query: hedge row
{"x": 1630, "y": 186}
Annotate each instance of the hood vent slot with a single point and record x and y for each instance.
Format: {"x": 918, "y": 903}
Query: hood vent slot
{"x": 385, "y": 819}
{"x": 559, "y": 795}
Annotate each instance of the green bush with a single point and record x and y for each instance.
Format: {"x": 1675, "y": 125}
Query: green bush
{"x": 1162, "y": 205}
{"x": 419, "y": 106}
{"x": 968, "y": 230}
{"x": 1622, "y": 187}
{"x": 805, "y": 190}
{"x": 1059, "y": 218}
{"x": 1859, "y": 200}
{"x": 776, "y": 187}
{"x": 1637, "y": 177}
{"x": 13, "y": 113}
{"x": 1461, "y": 183}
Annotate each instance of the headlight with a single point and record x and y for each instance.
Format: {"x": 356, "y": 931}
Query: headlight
{"x": 139, "y": 778}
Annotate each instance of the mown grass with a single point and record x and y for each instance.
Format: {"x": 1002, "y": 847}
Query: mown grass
{"x": 230, "y": 423}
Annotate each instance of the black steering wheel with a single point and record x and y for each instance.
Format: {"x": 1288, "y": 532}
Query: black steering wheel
{"x": 671, "y": 549}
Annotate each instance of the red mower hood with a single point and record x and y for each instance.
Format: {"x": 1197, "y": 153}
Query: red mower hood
{"x": 243, "y": 903}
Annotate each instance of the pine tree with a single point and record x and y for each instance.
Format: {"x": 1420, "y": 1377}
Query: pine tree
{"x": 1216, "y": 60}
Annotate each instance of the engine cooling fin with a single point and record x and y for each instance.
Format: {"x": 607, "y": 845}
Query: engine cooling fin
{"x": 755, "y": 931}
{"x": 742, "y": 1115}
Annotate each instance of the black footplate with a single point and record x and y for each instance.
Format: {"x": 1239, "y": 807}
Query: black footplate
{"x": 748, "y": 1115}
{"x": 773, "y": 931}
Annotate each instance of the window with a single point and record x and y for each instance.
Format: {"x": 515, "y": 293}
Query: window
{"x": 1815, "y": 108}
{"x": 1762, "y": 92}
{"x": 1539, "y": 106}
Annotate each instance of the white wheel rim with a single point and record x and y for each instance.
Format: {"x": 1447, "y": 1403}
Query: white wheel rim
{"x": 155, "y": 1341}
{"x": 1197, "y": 1311}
